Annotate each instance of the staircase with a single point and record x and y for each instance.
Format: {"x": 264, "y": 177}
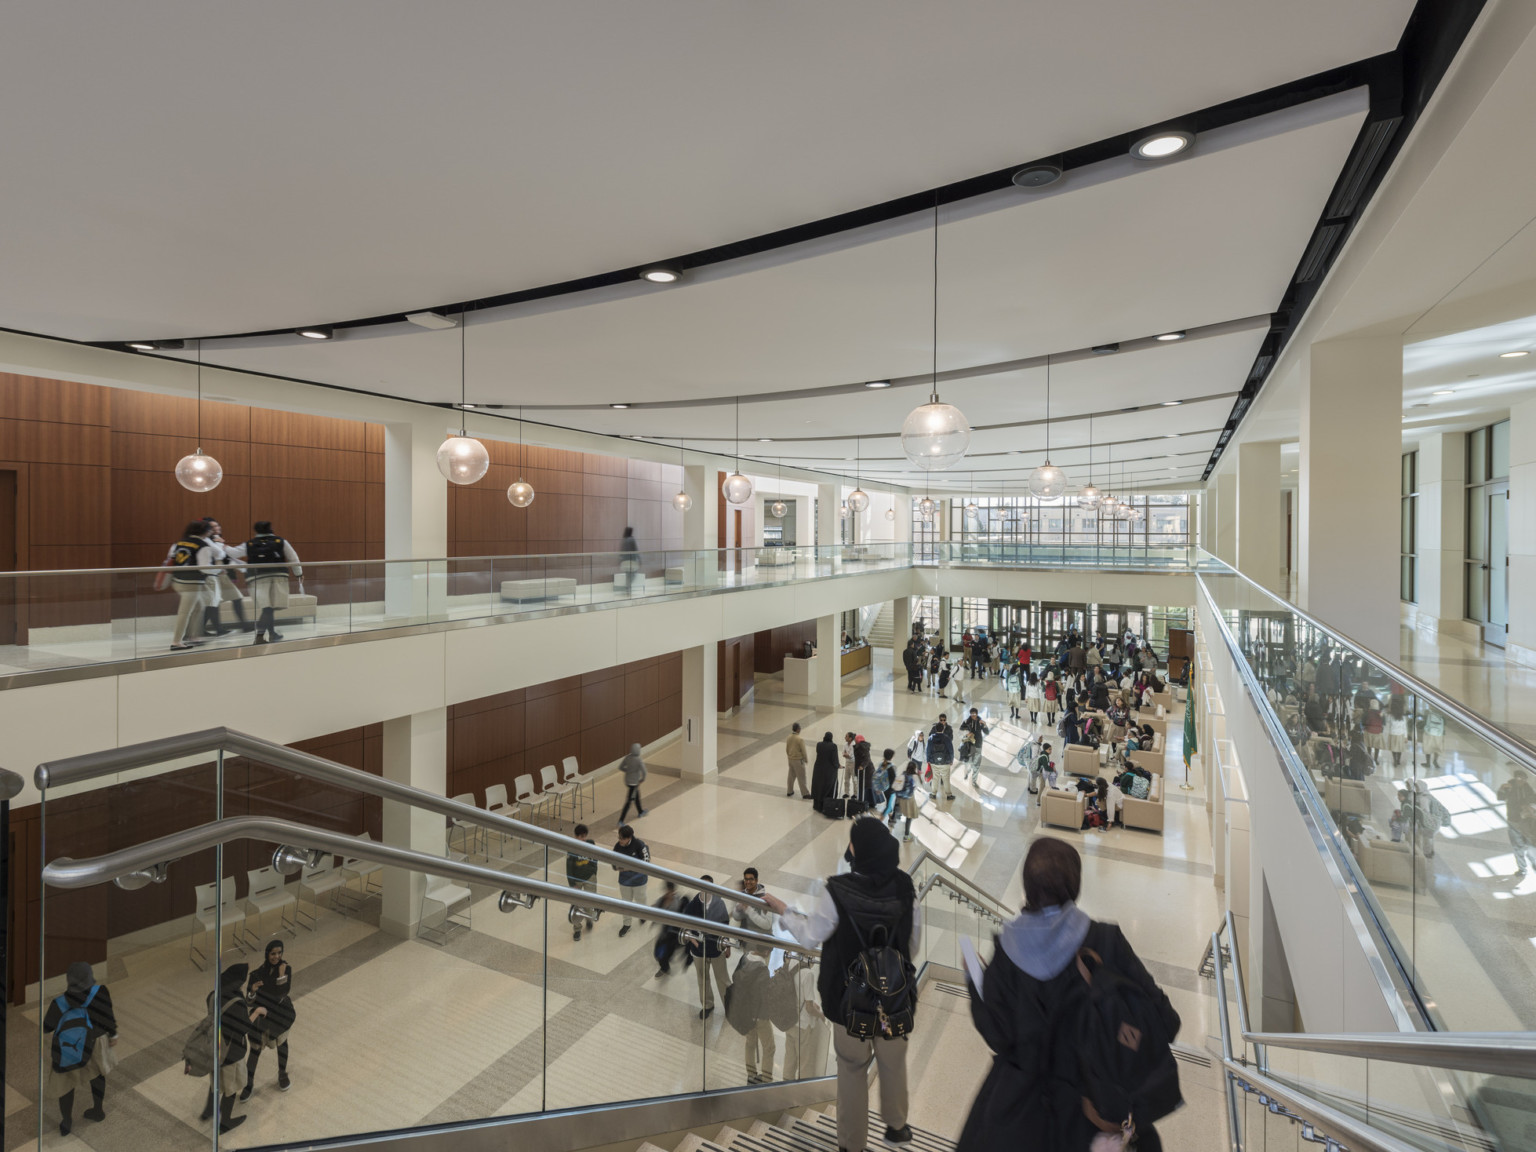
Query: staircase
{"x": 811, "y": 1131}
{"x": 880, "y": 634}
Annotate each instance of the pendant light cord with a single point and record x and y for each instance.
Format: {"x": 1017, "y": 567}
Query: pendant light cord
{"x": 934, "y": 398}
{"x": 463, "y": 387}
{"x": 1047, "y": 407}
{"x": 199, "y": 397}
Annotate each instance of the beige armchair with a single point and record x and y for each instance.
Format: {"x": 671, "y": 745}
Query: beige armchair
{"x": 1081, "y": 760}
{"x": 1149, "y": 758}
{"x": 1351, "y": 797}
{"x": 1388, "y": 862}
{"x": 1146, "y": 814}
{"x": 1062, "y": 808}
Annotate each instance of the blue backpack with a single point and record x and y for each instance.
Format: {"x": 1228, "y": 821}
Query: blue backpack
{"x": 73, "y": 1036}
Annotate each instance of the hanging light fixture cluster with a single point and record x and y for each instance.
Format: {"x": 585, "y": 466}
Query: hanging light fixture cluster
{"x": 737, "y": 489}
{"x": 462, "y": 458}
{"x": 1047, "y": 482}
{"x": 935, "y": 435}
{"x": 199, "y": 472}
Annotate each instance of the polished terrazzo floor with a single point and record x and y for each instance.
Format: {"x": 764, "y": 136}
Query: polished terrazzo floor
{"x": 515, "y": 1015}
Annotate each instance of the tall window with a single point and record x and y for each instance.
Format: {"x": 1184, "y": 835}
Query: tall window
{"x": 925, "y": 611}
{"x": 1408, "y": 576}
{"x": 1488, "y": 529}
{"x": 925, "y": 535}
{"x": 1027, "y": 521}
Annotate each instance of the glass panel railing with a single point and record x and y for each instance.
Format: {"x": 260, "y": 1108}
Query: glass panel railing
{"x": 1047, "y": 554}
{"x": 445, "y": 1000}
{"x": 1433, "y": 814}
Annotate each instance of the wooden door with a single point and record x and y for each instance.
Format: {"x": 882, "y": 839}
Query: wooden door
{"x": 8, "y": 555}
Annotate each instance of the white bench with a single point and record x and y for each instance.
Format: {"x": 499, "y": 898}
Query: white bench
{"x": 301, "y": 606}
{"x": 775, "y": 557}
{"x": 675, "y": 576}
{"x": 544, "y": 588}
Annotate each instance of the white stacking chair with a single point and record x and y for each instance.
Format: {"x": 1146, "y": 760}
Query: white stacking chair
{"x": 556, "y": 793}
{"x": 469, "y": 832}
{"x": 266, "y": 891}
{"x": 524, "y": 795}
{"x": 571, "y": 774}
{"x": 497, "y": 804}
{"x": 313, "y": 883}
{"x": 369, "y": 875}
{"x": 454, "y": 901}
{"x": 216, "y": 903}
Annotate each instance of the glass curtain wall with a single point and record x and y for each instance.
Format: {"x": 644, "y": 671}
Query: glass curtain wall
{"x": 1488, "y": 530}
{"x": 1027, "y": 520}
{"x": 925, "y": 539}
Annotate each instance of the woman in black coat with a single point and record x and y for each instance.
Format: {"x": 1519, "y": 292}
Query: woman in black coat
{"x": 824, "y": 771}
{"x": 1030, "y": 1088}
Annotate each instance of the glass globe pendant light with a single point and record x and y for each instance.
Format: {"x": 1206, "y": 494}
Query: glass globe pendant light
{"x": 935, "y": 435}
{"x": 1088, "y": 496}
{"x": 737, "y": 489}
{"x": 926, "y": 508}
{"x": 778, "y": 508}
{"x": 520, "y": 492}
{"x": 890, "y": 513}
{"x": 970, "y": 505}
{"x": 462, "y": 459}
{"x": 198, "y": 472}
{"x": 1047, "y": 481}
{"x": 682, "y": 501}
{"x": 858, "y": 499}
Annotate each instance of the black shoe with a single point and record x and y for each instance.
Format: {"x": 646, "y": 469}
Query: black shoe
{"x": 95, "y": 1114}
{"x": 705, "y": 1012}
{"x": 260, "y": 639}
{"x": 624, "y": 931}
{"x": 275, "y": 634}
{"x": 898, "y": 1135}
{"x": 207, "y": 1109}
{"x": 245, "y": 1093}
{"x": 660, "y": 972}
{"x": 578, "y": 934}
{"x": 233, "y": 1122}
{"x": 283, "y": 1083}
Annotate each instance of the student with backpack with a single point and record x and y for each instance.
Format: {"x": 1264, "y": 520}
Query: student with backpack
{"x": 868, "y": 926}
{"x": 269, "y": 563}
{"x": 270, "y": 987}
{"x": 581, "y": 874}
{"x": 1058, "y": 998}
{"x": 83, "y": 1028}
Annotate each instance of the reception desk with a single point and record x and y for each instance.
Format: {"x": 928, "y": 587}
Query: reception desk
{"x": 856, "y": 658}
{"x": 801, "y": 675}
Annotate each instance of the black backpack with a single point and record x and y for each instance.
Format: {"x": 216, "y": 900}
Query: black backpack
{"x": 1124, "y": 1066}
{"x": 265, "y": 550}
{"x": 881, "y": 998}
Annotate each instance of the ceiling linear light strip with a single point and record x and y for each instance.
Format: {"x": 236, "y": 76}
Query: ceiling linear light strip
{"x": 1295, "y": 93}
{"x": 1218, "y": 328}
{"x": 1401, "y": 83}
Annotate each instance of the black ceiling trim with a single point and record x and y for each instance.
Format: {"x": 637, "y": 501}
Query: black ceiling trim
{"x": 1297, "y": 92}
{"x": 1401, "y": 84}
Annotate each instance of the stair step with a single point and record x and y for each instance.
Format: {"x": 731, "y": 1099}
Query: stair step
{"x": 693, "y": 1142}
{"x": 922, "y": 1139}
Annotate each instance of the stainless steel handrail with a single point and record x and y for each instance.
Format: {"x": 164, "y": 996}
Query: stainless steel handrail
{"x": 10, "y": 784}
{"x": 67, "y": 873}
{"x": 1492, "y": 1053}
{"x": 995, "y": 906}
{"x": 1510, "y": 744}
{"x": 565, "y": 557}
{"x": 1237, "y": 973}
{"x": 94, "y": 765}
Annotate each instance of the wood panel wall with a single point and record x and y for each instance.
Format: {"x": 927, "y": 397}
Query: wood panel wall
{"x": 595, "y": 717}
{"x": 735, "y": 666}
{"x": 772, "y": 645}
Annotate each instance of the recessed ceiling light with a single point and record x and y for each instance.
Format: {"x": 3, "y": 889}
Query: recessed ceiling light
{"x": 765, "y": 439}
{"x": 1037, "y": 175}
{"x": 1163, "y": 144}
{"x": 317, "y": 332}
{"x": 1445, "y": 392}
{"x": 878, "y": 384}
{"x": 1173, "y": 436}
{"x": 1169, "y": 337}
{"x": 142, "y": 346}
{"x": 618, "y": 405}
{"x": 1172, "y": 403}
{"x": 1511, "y": 355}
{"x": 466, "y": 405}
{"x": 660, "y": 275}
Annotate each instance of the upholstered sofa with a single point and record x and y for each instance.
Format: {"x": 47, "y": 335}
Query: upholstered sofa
{"x": 541, "y": 588}
{"x": 301, "y": 606}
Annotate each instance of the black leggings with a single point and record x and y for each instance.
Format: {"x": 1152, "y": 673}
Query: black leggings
{"x": 632, "y": 798}
{"x": 255, "y": 1057}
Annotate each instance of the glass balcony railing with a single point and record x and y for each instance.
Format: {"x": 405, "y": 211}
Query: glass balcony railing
{"x": 1431, "y": 810}
{"x": 71, "y": 618}
{"x": 1044, "y": 554}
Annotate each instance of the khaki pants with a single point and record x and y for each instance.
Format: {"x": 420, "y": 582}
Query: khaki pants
{"x": 797, "y": 777}
{"x": 704, "y": 967}
{"x": 189, "y": 613}
{"x": 805, "y": 1051}
{"x": 635, "y": 894}
{"x": 760, "y": 1049}
{"x": 853, "y": 1058}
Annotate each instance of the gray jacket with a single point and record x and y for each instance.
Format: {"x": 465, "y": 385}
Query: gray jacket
{"x": 633, "y": 767}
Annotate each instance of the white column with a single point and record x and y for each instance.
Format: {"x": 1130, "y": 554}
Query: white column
{"x": 1351, "y": 460}
{"x": 805, "y": 522}
{"x": 415, "y": 753}
{"x": 701, "y": 524}
{"x": 901, "y": 632}
{"x": 1223, "y": 518}
{"x": 701, "y": 673}
{"x": 829, "y": 677}
{"x": 1258, "y": 514}
{"x": 828, "y": 527}
{"x": 1442, "y": 527}
{"x": 415, "y": 519}
{"x": 1522, "y": 533}
{"x": 903, "y": 506}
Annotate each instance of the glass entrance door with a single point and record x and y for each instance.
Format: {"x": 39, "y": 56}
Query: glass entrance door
{"x": 1056, "y": 620}
{"x": 1488, "y": 561}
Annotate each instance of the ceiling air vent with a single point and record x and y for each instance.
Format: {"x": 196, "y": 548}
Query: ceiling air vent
{"x": 1367, "y": 154}
{"x": 1261, "y": 366}
{"x": 1319, "y": 253}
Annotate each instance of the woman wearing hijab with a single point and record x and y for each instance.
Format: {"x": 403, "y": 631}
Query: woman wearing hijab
{"x": 238, "y": 1022}
{"x": 1030, "y": 1087}
{"x": 271, "y": 987}
{"x": 824, "y": 771}
{"x": 80, "y": 1043}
